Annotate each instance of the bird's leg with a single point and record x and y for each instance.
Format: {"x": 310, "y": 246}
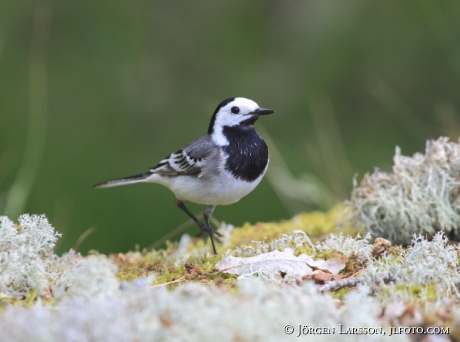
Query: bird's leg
{"x": 203, "y": 227}
{"x": 207, "y": 214}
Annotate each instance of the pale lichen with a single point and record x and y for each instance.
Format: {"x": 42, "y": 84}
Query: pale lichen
{"x": 25, "y": 250}
{"x": 420, "y": 195}
{"x": 427, "y": 269}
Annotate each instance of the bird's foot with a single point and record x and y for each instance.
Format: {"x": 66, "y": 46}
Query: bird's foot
{"x": 207, "y": 231}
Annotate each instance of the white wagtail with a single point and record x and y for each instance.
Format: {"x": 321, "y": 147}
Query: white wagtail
{"x": 218, "y": 168}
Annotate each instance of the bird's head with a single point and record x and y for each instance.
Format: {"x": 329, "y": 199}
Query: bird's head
{"x": 236, "y": 111}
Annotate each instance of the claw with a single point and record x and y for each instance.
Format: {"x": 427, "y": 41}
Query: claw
{"x": 203, "y": 235}
{"x": 207, "y": 231}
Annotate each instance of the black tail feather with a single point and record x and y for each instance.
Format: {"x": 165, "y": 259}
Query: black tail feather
{"x": 123, "y": 181}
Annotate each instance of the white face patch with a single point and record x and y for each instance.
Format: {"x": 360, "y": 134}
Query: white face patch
{"x": 226, "y": 117}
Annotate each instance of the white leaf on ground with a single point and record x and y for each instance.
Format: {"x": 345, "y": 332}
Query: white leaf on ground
{"x": 276, "y": 262}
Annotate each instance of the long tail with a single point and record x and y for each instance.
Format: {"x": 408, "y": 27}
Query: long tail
{"x": 123, "y": 181}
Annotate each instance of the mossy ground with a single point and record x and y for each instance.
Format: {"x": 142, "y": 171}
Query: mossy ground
{"x": 199, "y": 267}
{"x": 169, "y": 268}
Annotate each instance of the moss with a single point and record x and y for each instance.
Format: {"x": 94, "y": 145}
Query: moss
{"x": 168, "y": 276}
{"x": 131, "y": 267}
{"x": 197, "y": 268}
{"x": 430, "y": 293}
{"x": 164, "y": 266}
{"x": 200, "y": 267}
{"x": 393, "y": 259}
{"x": 395, "y": 250}
{"x": 414, "y": 289}
{"x": 192, "y": 272}
{"x": 340, "y": 293}
{"x": 424, "y": 293}
{"x": 30, "y": 298}
{"x": 134, "y": 271}
{"x": 304, "y": 249}
{"x": 353, "y": 264}
{"x": 27, "y": 299}
{"x": 325, "y": 255}
{"x": 206, "y": 262}
{"x": 230, "y": 279}
{"x": 318, "y": 225}
{"x": 9, "y": 300}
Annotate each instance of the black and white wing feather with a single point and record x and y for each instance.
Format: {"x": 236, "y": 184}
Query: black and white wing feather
{"x": 188, "y": 161}
{"x": 179, "y": 163}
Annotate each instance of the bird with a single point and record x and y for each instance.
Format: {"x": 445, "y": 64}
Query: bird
{"x": 218, "y": 168}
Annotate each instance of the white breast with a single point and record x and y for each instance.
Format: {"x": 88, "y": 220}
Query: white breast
{"x": 225, "y": 190}
{"x": 214, "y": 186}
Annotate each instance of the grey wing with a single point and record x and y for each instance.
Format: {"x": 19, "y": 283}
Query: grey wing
{"x": 187, "y": 161}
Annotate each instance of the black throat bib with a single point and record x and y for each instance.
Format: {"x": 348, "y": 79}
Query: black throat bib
{"x": 247, "y": 152}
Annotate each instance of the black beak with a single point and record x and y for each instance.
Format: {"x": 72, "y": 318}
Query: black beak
{"x": 262, "y": 111}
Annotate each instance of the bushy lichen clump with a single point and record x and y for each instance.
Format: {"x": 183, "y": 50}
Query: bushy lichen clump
{"x": 426, "y": 270}
{"x": 420, "y": 196}
{"x": 25, "y": 251}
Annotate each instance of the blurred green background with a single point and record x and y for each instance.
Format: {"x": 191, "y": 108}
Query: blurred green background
{"x": 96, "y": 90}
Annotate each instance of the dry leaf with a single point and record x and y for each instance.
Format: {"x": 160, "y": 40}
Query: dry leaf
{"x": 333, "y": 265}
{"x": 320, "y": 275}
{"x": 279, "y": 262}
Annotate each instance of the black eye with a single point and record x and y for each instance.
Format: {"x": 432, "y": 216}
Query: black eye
{"x": 235, "y": 110}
